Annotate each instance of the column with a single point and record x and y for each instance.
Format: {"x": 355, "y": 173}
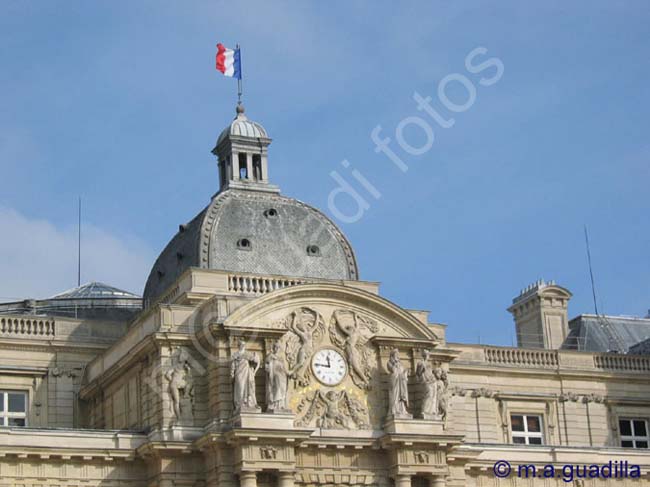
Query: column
{"x": 438, "y": 481}
{"x": 285, "y": 479}
{"x": 249, "y": 166}
{"x": 234, "y": 164}
{"x": 248, "y": 479}
{"x": 402, "y": 481}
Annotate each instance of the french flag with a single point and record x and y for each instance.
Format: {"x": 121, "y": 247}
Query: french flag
{"x": 229, "y": 61}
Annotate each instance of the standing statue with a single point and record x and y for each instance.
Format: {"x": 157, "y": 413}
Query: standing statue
{"x": 243, "y": 367}
{"x": 276, "y": 381}
{"x": 398, "y": 396}
{"x": 180, "y": 384}
{"x": 425, "y": 375}
{"x": 442, "y": 384}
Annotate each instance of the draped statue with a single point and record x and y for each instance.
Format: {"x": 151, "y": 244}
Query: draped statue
{"x": 276, "y": 381}
{"x": 243, "y": 367}
{"x": 442, "y": 384}
{"x": 424, "y": 373}
{"x": 398, "y": 397}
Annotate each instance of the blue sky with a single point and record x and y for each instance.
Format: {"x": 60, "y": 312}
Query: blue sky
{"x": 119, "y": 102}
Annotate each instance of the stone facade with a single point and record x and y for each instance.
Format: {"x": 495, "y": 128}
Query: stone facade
{"x": 123, "y": 395}
{"x": 234, "y": 378}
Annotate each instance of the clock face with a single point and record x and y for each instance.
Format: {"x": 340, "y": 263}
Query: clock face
{"x": 329, "y": 366}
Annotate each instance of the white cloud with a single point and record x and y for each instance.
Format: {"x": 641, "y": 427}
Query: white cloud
{"x": 37, "y": 259}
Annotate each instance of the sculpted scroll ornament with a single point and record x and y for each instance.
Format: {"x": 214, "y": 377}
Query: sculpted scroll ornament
{"x": 333, "y": 410}
{"x": 351, "y": 332}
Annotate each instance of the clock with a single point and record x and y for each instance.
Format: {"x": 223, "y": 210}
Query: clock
{"x": 329, "y": 366}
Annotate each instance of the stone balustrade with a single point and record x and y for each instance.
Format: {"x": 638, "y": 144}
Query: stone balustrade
{"x": 252, "y": 284}
{"x": 618, "y": 362}
{"x": 21, "y": 326}
{"x": 521, "y": 357}
{"x": 530, "y": 358}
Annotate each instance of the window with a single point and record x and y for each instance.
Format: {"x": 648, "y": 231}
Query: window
{"x": 13, "y": 408}
{"x": 634, "y": 433}
{"x": 526, "y": 429}
{"x": 313, "y": 250}
{"x": 244, "y": 244}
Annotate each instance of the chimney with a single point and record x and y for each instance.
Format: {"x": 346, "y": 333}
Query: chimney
{"x": 540, "y": 314}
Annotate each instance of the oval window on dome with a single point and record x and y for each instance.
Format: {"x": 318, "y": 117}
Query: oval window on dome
{"x": 313, "y": 250}
{"x": 244, "y": 244}
{"x": 271, "y": 213}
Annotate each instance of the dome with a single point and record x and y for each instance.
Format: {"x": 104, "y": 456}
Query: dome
{"x": 93, "y": 300}
{"x": 241, "y": 126}
{"x": 255, "y": 232}
{"x": 95, "y": 290}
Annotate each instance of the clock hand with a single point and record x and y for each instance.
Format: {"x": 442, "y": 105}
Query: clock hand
{"x": 321, "y": 365}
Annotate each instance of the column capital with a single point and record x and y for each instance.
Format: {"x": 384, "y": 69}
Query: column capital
{"x": 286, "y": 479}
{"x": 402, "y": 481}
{"x": 248, "y": 478}
{"x": 438, "y": 481}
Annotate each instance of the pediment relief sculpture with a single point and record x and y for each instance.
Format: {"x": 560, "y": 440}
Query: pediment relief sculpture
{"x": 351, "y": 332}
{"x": 332, "y": 410}
{"x": 306, "y": 331}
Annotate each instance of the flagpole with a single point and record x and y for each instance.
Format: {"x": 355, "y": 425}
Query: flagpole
{"x": 239, "y": 82}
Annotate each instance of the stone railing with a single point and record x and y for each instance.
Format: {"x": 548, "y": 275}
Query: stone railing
{"x": 518, "y": 357}
{"x": 33, "y": 327}
{"x": 613, "y": 361}
{"x": 250, "y": 284}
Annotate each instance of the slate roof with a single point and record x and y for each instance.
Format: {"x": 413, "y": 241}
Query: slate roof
{"x": 279, "y": 241}
{"x": 601, "y": 333}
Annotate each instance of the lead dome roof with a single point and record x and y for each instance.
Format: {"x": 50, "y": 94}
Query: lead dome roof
{"x": 279, "y": 231}
{"x": 242, "y": 126}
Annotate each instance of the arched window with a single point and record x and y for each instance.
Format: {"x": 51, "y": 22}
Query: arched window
{"x": 243, "y": 170}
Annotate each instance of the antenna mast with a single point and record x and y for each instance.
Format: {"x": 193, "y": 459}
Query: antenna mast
{"x": 79, "y": 247}
{"x": 591, "y": 272}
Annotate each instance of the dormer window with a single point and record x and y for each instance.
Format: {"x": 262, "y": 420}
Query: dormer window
{"x": 313, "y": 251}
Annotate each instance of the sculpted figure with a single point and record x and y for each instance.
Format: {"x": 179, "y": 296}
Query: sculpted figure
{"x": 427, "y": 378}
{"x": 306, "y": 335}
{"x": 333, "y": 410}
{"x": 243, "y": 367}
{"x": 398, "y": 397}
{"x": 276, "y": 380}
{"x": 442, "y": 383}
{"x": 180, "y": 384}
{"x": 352, "y": 335}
